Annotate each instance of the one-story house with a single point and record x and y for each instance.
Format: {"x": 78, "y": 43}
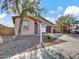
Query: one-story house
{"x": 5, "y": 30}
{"x": 30, "y": 25}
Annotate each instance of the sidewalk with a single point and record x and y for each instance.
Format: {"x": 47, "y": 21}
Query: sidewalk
{"x": 71, "y": 47}
{"x": 69, "y": 38}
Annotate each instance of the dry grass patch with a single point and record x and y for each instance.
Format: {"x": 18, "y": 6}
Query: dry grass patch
{"x": 58, "y": 41}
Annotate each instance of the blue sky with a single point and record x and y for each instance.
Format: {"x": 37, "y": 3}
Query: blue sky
{"x": 55, "y": 8}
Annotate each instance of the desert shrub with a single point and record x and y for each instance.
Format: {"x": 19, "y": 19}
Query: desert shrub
{"x": 49, "y": 36}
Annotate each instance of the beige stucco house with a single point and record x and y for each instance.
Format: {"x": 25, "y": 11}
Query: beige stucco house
{"x": 30, "y": 25}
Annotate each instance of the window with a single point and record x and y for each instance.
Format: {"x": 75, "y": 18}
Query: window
{"x": 25, "y": 25}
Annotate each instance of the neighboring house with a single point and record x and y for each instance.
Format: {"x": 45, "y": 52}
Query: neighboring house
{"x": 30, "y": 25}
{"x": 5, "y": 30}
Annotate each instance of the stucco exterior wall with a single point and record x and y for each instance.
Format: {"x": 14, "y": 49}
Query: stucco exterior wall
{"x": 52, "y": 28}
{"x": 30, "y": 31}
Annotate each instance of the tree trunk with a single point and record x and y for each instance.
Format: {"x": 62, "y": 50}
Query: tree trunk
{"x": 20, "y": 26}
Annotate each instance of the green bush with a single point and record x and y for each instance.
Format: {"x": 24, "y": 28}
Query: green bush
{"x": 49, "y": 36}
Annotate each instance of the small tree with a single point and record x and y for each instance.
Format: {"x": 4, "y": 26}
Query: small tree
{"x": 22, "y": 8}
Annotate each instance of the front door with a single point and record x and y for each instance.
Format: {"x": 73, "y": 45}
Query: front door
{"x": 48, "y": 29}
{"x": 36, "y": 28}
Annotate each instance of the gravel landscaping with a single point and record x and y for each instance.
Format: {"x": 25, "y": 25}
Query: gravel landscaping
{"x": 24, "y": 43}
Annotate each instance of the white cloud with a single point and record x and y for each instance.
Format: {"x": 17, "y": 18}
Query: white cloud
{"x": 72, "y": 10}
{"x": 9, "y": 24}
{"x": 2, "y": 16}
{"x": 52, "y": 12}
{"x": 60, "y": 8}
{"x": 51, "y": 19}
{"x": 59, "y": 15}
{"x": 1, "y": 21}
{"x": 4, "y": 21}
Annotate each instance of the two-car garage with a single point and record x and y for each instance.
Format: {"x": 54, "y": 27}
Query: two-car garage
{"x": 47, "y": 26}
